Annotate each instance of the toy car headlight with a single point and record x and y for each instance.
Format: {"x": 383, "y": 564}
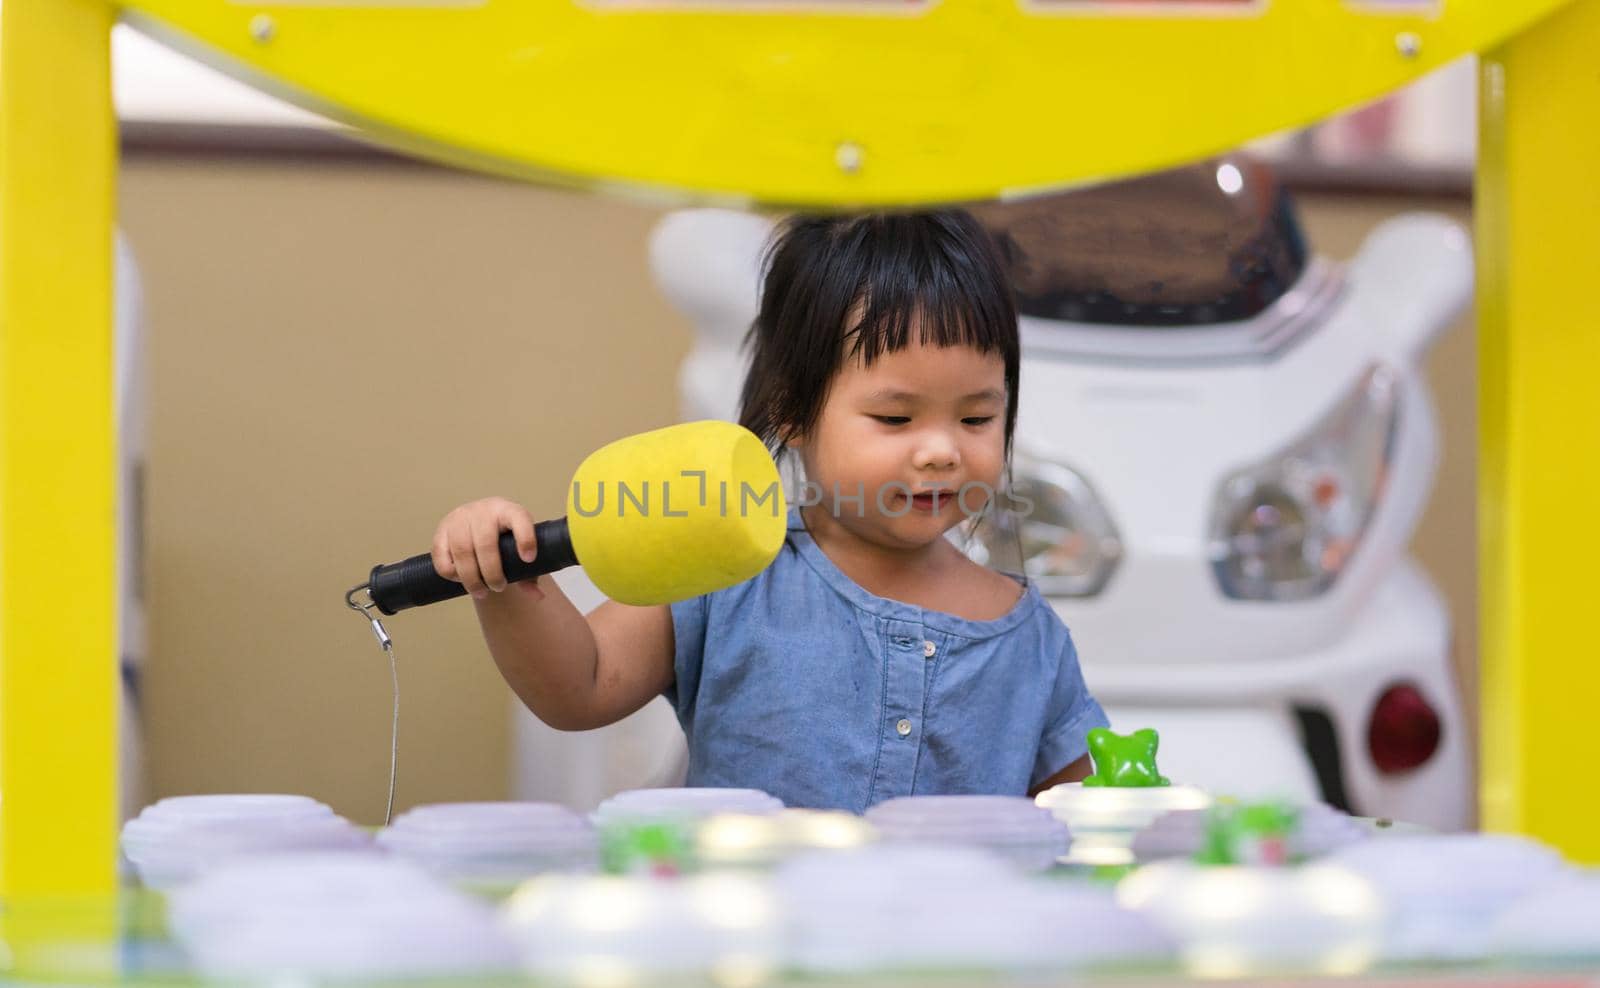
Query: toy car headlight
{"x": 1286, "y": 527}
{"x": 1050, "y": 526}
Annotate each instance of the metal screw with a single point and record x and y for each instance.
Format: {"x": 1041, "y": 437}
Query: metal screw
{"x": 1409, "y": 43}
{"x": 262, "y": 28}
{"x": 848, "y": 157}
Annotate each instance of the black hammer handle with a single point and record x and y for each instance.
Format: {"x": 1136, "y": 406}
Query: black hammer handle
{"x": 414, "y": 582}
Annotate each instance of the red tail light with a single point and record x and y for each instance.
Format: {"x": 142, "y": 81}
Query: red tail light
{"x": 1404, "y": 730}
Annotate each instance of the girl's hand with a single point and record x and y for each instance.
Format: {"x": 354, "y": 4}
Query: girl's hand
{"x": 466, "y": 545}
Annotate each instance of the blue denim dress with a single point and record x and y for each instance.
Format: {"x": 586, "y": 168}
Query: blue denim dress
{"x": 801, "y": 683}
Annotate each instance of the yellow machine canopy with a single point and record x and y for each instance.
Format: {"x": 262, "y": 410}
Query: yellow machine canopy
{"x": 829, "y": 101}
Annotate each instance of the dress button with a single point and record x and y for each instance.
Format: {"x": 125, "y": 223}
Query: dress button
{"x": 928, "y": 648}
{"x": 904, "y": 727}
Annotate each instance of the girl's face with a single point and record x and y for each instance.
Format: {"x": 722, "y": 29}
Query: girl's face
{"x": 906, "y": 435}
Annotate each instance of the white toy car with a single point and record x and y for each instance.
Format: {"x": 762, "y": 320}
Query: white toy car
{"x": 1228, "y": 442}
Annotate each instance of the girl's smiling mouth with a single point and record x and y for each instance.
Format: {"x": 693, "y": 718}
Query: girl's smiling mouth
{"x": 930, "y": 500}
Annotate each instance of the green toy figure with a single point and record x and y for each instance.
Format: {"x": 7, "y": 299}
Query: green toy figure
{"x": 1125, "y": 761}
{"x": 1252, "y": 834}
{"x": 657, "y": 848}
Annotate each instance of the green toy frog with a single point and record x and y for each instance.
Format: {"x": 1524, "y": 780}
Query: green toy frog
{"x": 1124, "y": 761}
{"x": 658, "y": 848}
{"x": 1249, "y": 834}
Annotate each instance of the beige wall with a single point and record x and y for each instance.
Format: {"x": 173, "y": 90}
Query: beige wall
{"x": 337, "y": 355}
{"x": 341, "y": 350}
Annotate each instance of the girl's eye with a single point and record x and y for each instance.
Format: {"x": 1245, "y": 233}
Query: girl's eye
{"x": 978, "y": 419}
{"x": 893, "y": 419}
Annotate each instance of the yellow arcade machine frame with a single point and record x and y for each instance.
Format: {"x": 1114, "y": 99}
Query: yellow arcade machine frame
{"x": 817, "y": 102}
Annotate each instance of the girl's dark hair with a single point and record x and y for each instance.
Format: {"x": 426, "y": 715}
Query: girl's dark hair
{"x": 837, "y": 287}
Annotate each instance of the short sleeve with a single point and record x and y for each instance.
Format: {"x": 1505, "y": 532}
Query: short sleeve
{"x": 689, "y": 621}
{"x": 1073, "y": 713}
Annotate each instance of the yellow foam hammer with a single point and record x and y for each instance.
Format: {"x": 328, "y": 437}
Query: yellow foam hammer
{"x": 654, "y": 518}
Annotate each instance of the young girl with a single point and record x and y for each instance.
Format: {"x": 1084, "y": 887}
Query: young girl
{"x": 872, "y": 659}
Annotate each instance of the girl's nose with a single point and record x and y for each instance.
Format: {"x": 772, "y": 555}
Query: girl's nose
{"x": 937, "y": 451}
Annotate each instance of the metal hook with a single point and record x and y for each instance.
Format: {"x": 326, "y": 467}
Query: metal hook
{"x": 365, "y": 610}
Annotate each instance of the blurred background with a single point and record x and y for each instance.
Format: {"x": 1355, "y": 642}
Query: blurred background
{"x": 340, "y": 344}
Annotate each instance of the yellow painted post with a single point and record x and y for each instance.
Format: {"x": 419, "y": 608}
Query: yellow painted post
{"x": 1539, "y": 370}
{"x": 58, "y": 674}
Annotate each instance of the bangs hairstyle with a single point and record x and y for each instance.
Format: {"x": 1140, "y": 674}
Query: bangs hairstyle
{"x": 841, "y": 287}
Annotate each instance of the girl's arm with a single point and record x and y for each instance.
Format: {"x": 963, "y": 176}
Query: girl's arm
{"x": 574, "y": 673}
{"x": 1076, "y": 772}
{"x": 1073, "y": 713}
{"x": 578, "y": 673}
